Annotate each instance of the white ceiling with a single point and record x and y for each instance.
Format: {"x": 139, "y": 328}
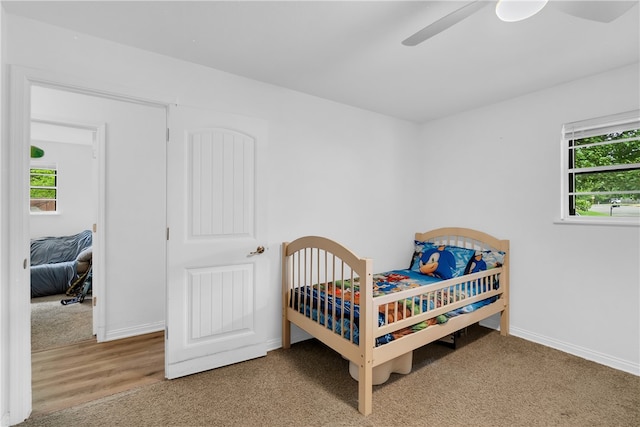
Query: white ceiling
{"x": 351, "y": 51}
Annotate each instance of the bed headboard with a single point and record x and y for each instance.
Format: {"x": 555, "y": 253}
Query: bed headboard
{"x": 463, "y": 237}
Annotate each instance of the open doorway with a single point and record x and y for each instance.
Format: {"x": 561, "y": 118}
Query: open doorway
{"x": 63, "y": 181}
{"x": 134, "y": 215}
{"x": 121, "y": 200}
{"x": 121, "y": 207}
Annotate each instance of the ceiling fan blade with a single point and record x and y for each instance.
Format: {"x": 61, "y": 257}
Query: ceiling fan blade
{"x": 600, "y": 11}
{"x": 445, "y": 22}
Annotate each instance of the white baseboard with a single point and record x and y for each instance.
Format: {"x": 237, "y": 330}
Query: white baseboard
{"x": 585, "y": 353}
{"x": 274, "y": 344}
{"x": 297, "y": 335}
{"x": 149, "y": 328}
{"x": 493, "y": 322}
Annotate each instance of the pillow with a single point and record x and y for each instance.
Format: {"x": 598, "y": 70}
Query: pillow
{"x": 82, "y": 266}
{"x": 84, "y": 260}
{"x": 484, "y": 260}
{"x": 85, "y": 255}
{"x": 441, "y": 261}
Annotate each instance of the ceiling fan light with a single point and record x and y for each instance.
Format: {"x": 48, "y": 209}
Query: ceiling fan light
{"x": 517, "y": 10}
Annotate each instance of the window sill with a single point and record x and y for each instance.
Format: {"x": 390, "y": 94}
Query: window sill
{"x": 624, "y": 222}
{"x": 44, "y": 213}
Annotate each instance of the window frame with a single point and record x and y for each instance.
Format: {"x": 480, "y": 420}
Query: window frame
{"x": 46, "y": 166}
{"x": 583, "y": 129}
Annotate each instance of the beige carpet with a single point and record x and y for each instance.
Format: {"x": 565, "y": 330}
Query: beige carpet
{"x": 489, "y": 380}
{"x": 54, "y": 324}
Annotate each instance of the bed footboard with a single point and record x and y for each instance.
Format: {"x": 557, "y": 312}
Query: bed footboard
{"x": 317, "y": 271}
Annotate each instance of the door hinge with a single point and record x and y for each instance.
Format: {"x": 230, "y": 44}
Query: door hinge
{"x": 95, "y": 301}
{"x": 95, "y": 228}
{"x": 167, "y": 233}
{"x": 166, "y": 333}
{"x": 167, "y": 134}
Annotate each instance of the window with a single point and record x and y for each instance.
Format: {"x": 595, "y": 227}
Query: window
{"x": 43, "y": 189}
{"x": 602, "y": 169}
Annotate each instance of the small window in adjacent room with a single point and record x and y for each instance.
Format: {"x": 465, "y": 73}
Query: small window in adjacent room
{"x": 43, "y": 189}
{"x": 601, "y": 170}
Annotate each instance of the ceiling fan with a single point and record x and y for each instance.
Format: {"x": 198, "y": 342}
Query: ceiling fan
{"x": 517, "y": 10}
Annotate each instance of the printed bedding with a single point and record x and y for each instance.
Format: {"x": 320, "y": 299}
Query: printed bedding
{"x": 339, "y": 315}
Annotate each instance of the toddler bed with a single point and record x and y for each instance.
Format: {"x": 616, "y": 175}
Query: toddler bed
{"x": 457, "y": 277}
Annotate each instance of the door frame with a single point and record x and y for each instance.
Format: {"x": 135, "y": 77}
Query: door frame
{"x": 21, "y": 80}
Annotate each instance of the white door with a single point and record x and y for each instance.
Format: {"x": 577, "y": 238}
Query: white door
{"x": 216, "y": 217}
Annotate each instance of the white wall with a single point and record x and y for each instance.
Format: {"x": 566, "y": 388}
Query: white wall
{"x": 73, "y": 161}
{"x": 314, "y": 145}
{"x": 500, "y": 172}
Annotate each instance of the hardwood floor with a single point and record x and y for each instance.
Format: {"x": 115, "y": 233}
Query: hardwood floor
{"x": 77, "y": 373}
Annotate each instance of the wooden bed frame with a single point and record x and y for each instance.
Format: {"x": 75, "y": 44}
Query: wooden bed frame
{"x": 317, "y": 261}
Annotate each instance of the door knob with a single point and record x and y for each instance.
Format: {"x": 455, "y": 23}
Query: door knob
{"x": 258, "y": 251}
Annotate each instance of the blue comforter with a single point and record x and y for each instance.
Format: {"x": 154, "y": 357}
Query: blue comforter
{"x": 52, "y": 279}
{"x": 53, "y": 262}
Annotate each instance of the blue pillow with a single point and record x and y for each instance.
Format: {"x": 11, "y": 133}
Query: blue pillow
{"x": 441, "y": 261}
{"x": 484, "y": 260}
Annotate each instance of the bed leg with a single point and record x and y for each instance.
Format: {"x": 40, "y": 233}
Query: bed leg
{"x": 286, "y": 332}
{"x": 286, "y": 324}
{"x": 504, "y": 322}
{"x": 365, "y": 388}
